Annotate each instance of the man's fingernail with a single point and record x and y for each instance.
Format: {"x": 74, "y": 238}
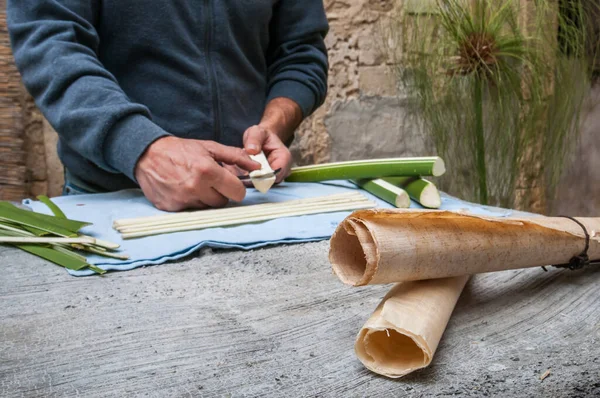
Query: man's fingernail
{"x": 253, "y": 147}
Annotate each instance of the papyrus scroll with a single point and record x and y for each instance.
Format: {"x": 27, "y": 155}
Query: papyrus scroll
{"x": 389, "y": 246}
{"x": 404, "y": 331}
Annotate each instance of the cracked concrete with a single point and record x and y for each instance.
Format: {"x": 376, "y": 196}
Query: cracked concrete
{"x": 276, "y": 322}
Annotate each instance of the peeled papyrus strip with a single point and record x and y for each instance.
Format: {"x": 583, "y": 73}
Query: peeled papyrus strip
{"x": 403, "y": 333}
{"x": 260, "y": 182}
{"x": 387, "y": 246}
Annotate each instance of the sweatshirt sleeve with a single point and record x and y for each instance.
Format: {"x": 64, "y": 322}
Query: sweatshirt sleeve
{"x": 297, "y": 56}
{"x": 55, "y": 46}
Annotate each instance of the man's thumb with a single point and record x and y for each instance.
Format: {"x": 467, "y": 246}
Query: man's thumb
{"x": 254, "y": 138}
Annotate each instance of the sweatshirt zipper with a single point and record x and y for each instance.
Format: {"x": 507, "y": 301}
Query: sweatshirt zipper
{"x": 214, "y": 85}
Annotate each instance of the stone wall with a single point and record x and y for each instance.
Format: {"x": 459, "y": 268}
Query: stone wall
{"x": 13, "y": 155}
{"x": 362, "y": 115}
{"x": 579, "y": 192}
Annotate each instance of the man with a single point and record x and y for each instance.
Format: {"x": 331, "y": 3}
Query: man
{"x": 164, "y": 94}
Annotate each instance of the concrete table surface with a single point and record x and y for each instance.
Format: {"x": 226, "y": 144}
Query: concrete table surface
{"x": 276, "y": 322}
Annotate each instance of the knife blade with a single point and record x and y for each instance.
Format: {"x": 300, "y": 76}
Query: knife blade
{"x": 268, "y": 175}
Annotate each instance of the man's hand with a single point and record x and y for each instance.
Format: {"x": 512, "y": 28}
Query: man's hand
{"x": 258, "y": 138}
{"x": 280, "y": 119}
{"x": 177, "y": 174}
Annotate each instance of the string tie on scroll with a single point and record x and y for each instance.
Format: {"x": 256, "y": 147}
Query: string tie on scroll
{"x": 582, "y": 259}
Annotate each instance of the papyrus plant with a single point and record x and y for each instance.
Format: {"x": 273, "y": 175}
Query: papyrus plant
{"x": 499, "y": 86}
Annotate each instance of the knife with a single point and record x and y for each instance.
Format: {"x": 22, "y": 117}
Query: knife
{"x": 268, "y": 175}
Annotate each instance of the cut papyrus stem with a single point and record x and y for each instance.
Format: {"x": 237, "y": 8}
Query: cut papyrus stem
{"x": 388, "y": 246}
{"x": 403, "y": 333}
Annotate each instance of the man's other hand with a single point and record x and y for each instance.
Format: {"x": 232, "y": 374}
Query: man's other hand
{"x": 177, "y": 174}
{"x": 258, "y": 138}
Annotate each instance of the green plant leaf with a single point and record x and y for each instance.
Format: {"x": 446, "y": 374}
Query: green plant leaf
{"x": 13, "y": 232}
{"x": 66, "y": 250}
{"x": 15, "y": 224}
{"x": 49, "y": 224}
{"x": 7, "y": 229}
{"x": 63, "y": 259}
{"x": 25, "y": 228}
{"x": 52, "y": 206}
{"x": 58, "y": 255}
{"x": 97, "y": 269}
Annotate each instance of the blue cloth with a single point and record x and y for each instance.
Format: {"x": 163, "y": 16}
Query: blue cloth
{"x": 102, "y": 209}
{"x": 113, "y": 76}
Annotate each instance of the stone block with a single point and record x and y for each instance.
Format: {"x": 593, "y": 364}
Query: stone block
{"x": 374, "y": 127}
{"x": 377, "y": 80}
{"x": 371, "y": 48}
{"x": 381, "y": 5}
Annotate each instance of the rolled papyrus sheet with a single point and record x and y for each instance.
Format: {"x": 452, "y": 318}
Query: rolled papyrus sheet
{"x": 403, "y": 333}
{"x": 386, "y": 246}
